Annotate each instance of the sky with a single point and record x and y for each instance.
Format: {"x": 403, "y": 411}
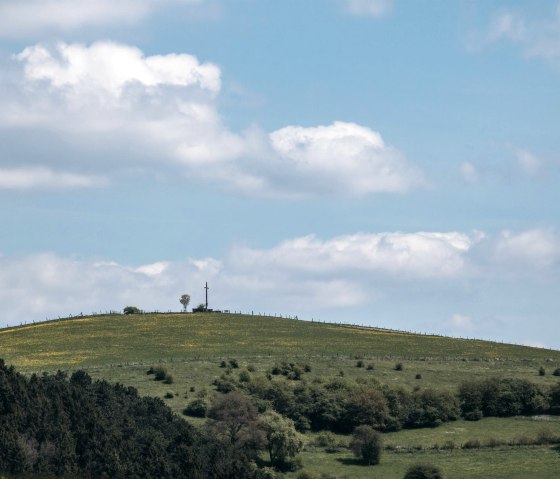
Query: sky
{"x": 392, "y": 163}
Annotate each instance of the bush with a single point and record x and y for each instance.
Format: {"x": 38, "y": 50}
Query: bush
{"x": 168, "y": 379}
{"x": 244, "y": 377}
{"x": 233, "y": 363}
{"x": 290, "y": 370}
{"x": 423, "y": 471}
{"x": 132, "y": 310}
{"x": 223, "y": 364}
{"x": 418, "y": 376}
{"x": 359, "y": 364}
{"x": 367, "y": 444}
{"x": 542, "y": 371}
{"x": 370, "y": 367}
{"x": 168, "y": 395}
{"x": 556, "y": 372}
{"x": 399, "y": 367}
{"x": 160, "y": 373}
{"x": 196, "y": 408}
{"x": 327, "y": 440}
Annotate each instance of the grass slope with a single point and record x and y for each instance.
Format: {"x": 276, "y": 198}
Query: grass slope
{"x": 117, "y": 339}
{"x": 120, "y": 349}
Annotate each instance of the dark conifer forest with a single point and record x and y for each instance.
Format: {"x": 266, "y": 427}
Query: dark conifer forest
{"x": 52, "y": 425}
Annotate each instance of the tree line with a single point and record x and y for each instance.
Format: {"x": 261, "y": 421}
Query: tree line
{"x": 340, "y": 405}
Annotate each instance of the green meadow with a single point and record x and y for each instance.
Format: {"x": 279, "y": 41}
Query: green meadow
{"x": 191, "y": 347}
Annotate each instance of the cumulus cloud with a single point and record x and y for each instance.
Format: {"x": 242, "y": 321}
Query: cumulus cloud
{"x": 19, "y": 18}
{"x": 347, "y": 157}
{"x": 161, "y": 112}
{"x": 417, "y": 255}
{"x": 371, "y": 8}
{"x": 43, "y": 178}
{"x": 107, "y": 68}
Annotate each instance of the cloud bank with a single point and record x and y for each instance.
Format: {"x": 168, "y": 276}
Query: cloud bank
{"x": 305, "y": 276}
{"x": 160, "y": 113}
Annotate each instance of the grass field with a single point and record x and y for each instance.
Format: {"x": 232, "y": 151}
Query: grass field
{"x": 542, "y": 462}
{"x": 121, "y": 339}
{"x": 121, "y": 349}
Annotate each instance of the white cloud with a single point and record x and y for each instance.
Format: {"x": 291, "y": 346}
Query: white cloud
{"x": 417, "y": 255}
{"x": 346, "y": 157}
{"x": 19, "y": 18}
{"x": 43, "y": 178}
{"x": 107, "y": 68}
{"x": 372, "y": 8}
{"x": 534, "y": 249}
{"x": 537, "y": 37}
{"x": 160, "y": 112}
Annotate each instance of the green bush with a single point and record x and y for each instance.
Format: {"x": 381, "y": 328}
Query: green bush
{"x": 423, "y": 471}
{"x": 160, "y": 373}
{"x": 399, "y": 367}
{"x": 542, "y": 371}
{"x": 244, "y": 377}
{"x": 196, "y": 408}
{"x": 132, "y": 310}
{"x": 556, "y": 372}
{"x": 366, "y": 443}
{"x": 327, "y": 440}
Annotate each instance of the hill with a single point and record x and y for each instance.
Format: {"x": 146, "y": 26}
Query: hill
{"x": 118, "y": 339}
{"x": 202, "y": 354}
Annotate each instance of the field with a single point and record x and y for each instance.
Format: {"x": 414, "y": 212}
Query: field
{"x": 191, "y": 346}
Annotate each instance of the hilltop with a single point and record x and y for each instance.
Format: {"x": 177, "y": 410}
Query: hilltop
{"x": 119, "y": 339}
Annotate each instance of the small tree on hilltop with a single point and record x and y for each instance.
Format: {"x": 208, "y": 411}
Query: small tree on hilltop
{"x": 367, "y": 444}
{"x": 131, "y": 310}
{"x": 185, "y": 300}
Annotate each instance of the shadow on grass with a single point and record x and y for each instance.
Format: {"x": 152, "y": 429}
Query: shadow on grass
{"x": 351, "y": 461}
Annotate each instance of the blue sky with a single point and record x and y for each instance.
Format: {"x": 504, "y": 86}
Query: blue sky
{"x": 385, "y": 162}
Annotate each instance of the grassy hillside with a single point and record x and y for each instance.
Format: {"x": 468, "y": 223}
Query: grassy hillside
{"x": 121, "y": 348}
{"x": 104, "y": 340}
